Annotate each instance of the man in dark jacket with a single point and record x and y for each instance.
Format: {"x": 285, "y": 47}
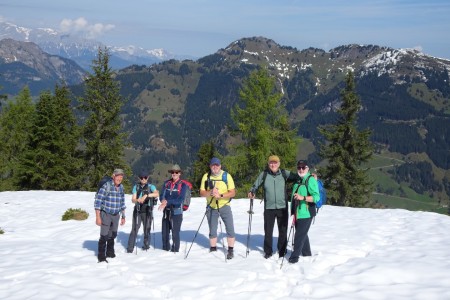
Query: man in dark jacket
{"x": 275, "y": 203}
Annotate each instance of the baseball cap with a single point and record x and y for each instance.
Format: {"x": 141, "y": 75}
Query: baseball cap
{"x": 274, "y": 158}
{"x": 118, "y": 172}
{"x": 214, "y": 161}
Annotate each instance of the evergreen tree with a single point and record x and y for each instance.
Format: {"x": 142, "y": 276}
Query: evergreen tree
{"x": 2, "y": 98}
{"x": 263, "y": 125}
{"x": 102, "y": 133}
{"x": 50, "y": 161}
{"x": 347, "y": 148}
{"x": 15, "y": 132}
{"x": 201, "y": 165}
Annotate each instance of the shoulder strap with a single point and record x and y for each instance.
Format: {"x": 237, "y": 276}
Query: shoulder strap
{"x": 283, "y": 172}
{"x": 208, "y": 180}
{"x": 264, "y": 177}
{"x": 225, "y": 177}
{"x": 306, "y": 184}
{"x": 187, "y": 183}
{"x": 108, "y": 186}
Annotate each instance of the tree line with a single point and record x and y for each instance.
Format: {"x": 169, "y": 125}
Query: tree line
{"x": 43, "y": 146}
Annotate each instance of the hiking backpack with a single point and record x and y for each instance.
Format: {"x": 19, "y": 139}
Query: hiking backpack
{"x": 187, "y": 197}
{"x": 208, "y": 182}
{"x": 105, "y": 180}
{"x": 149, "y": 201}
{"x": 322, "y": 193}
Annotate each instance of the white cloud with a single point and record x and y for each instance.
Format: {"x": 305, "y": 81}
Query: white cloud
{"x": 81, "y": 26}
{"x": 418, "y": 48}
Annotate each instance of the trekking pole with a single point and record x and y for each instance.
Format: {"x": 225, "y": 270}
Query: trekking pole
{"x": 250, "y": 216}
{"x": 221, "y": 231}
{"x": 196, "y": 232}
{"x": 154, "y": 235}
{"x": 146, "y": 226}
{"x": 289, "y": 235}
{"x": 136, "y": 226}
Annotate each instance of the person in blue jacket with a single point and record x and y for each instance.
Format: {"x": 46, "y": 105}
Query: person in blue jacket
{"x": 172, "y": 196}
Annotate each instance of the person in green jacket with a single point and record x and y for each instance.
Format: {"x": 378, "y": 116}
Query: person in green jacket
{"x": 305, "y": 194}
{"x": 273, "y": 182}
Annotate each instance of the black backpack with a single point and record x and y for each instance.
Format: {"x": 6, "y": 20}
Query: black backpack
{"x": 105, "y": 180}
{"x": 149, "y": 201}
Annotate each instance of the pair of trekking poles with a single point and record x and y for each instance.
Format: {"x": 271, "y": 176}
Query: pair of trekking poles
{"x": 211, "y": 186}
{"x": 145, "y": 225}
{"x": 249, "y": 231}
{"x": 250, "y": 216}
{"x": 204, "y": 215}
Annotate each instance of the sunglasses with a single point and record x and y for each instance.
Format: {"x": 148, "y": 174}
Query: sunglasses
{"x": 302, "y": 168}
{"x": 142, "y": 178}
{"x": 175, "y": 172}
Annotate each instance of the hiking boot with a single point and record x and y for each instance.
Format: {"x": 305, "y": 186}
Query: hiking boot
{"x": 129, "y": 251}
{"x": 145, "y": 248}
{"x": 293, "y": 260}
{"x": 230, "y": 254}
{"x": 110, "y": 255}
{"x": 267, "y": 255}
{"x": 102, "y": 259}
{"x": 212, "y": 249}
{"x": 282, "y": 253}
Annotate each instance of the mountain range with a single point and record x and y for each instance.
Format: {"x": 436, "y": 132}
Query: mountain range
{"x": 178, "y": 105}
{"x": 82, "y": 50}
{"x": 174, "y": 106}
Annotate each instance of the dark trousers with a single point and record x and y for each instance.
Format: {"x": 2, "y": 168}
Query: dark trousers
{"x": 282, "y": 217}
{"x": 171, "y": 222}
{"x": 108, "y": 232}
{"x": 301, "y": 240}
{"x": 145, "y": 217}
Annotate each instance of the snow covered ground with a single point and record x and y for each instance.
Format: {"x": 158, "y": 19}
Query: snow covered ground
{"x": 357, "y": 254}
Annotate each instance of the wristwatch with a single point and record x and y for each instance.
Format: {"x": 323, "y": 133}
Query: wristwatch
{"x": 304, "y": 198}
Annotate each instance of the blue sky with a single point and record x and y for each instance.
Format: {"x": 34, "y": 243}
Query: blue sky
{"x": 201, "y": 27}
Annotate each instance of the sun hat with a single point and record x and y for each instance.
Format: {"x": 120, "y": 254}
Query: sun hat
{"x": 175, "y": 168}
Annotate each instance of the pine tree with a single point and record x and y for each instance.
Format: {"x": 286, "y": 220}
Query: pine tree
{"x": 102, "y": 132}
{"x": 50, "y": 161}
{"x": 201, "y": 165}
{"x": 15, "y": 133}
{"x": 263, "y": 125}
{"x": 347, "y": 183}
{"x": 2, "y": 98}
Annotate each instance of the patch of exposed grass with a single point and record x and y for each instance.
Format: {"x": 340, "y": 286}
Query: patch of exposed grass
{"x": 75, "y": 214}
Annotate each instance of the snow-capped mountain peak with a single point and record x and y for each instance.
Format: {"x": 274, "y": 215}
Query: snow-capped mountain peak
{"x": 81, "y": 50}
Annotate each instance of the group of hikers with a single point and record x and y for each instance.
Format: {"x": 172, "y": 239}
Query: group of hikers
{"x": 217, "y": 186}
